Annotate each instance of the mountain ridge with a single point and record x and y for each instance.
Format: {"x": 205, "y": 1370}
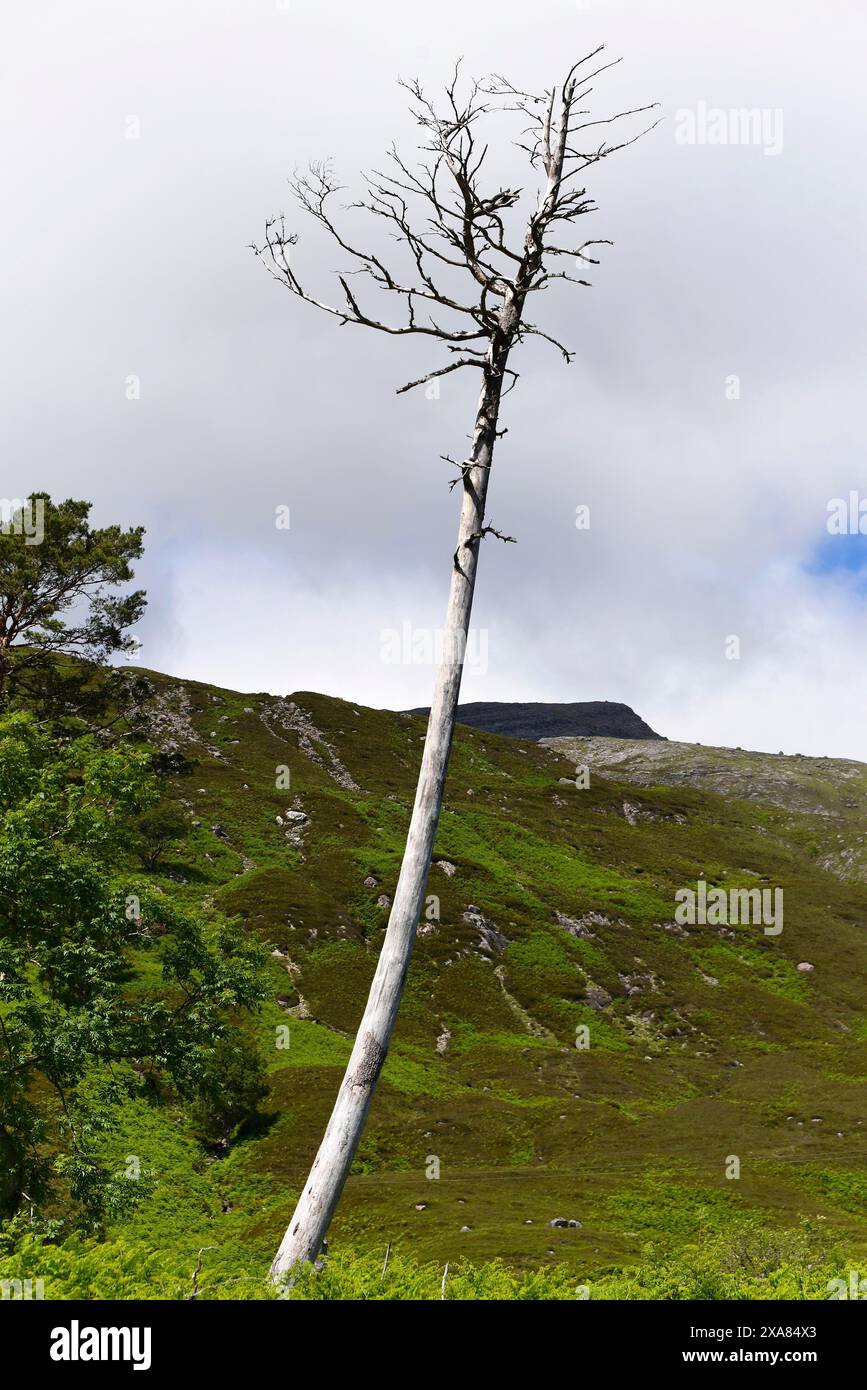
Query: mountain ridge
{"x": 548, "y": 719}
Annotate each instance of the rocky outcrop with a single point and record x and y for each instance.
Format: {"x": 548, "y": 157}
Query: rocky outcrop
{"x": 586, "y": 719}
{"x": 290, "y": 717}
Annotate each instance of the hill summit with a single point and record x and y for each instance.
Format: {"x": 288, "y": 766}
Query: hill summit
{"x": 584, "y": 719}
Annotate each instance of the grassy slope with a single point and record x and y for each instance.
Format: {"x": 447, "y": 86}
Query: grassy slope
{"x": 710, "y": 1044}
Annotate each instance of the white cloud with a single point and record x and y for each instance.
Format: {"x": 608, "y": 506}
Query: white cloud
{"x": 129, "y": 256}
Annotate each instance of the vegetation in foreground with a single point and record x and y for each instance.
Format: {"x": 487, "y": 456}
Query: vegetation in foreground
{"x": 753, "y": 1265}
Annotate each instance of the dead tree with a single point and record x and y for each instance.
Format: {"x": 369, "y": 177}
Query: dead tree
{"x": 472, "y": 262}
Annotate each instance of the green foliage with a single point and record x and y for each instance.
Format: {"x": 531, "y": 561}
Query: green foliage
{"x": 229, "y": 1089}
{"x": 155, "y": 830}
{"x": 78, "y": 1035}
{"x": 753, "y": 1264}
{"x": 53, "y": 562}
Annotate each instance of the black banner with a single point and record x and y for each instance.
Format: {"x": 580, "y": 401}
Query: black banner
{"x": 259, "y": 1339}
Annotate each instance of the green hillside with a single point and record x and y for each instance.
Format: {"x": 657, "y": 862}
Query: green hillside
{"x": 556, "y": 914}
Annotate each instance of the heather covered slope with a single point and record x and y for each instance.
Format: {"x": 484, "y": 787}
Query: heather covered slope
{"x": 556, "y": 913}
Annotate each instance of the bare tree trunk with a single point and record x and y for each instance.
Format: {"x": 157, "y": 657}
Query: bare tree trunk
{"x": 307, "y": 1229}
{"x": 472, "y": 229}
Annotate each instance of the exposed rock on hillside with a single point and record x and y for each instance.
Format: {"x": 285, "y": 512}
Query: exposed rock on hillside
{"x": 285, "y": 714}
{"x": 820, "y": 786}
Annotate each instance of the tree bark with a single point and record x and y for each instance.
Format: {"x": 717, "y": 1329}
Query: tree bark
{"x": 306, "y": 1231}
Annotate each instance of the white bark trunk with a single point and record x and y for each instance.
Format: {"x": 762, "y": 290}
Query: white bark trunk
{"x": 306, "y": 1231}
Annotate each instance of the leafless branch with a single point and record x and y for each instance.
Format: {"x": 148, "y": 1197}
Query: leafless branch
{"x": 441, "y": 371}
{"x": 450, "y": 223}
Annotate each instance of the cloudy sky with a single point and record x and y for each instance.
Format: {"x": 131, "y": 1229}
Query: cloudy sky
{"x": 714, "y": 407}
